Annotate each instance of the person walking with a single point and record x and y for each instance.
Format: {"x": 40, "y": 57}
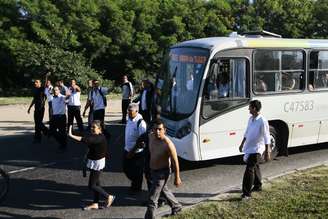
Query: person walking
{"x": 256, "y": 141}
{"x": 89, "y": 105}
{"x": 162, "y": 154}
{"x": 74, "y": 106}
{"x": 133, "y": 156}
{"x": 38, "y": 102}
{"x": 127, "y": 94}
{"x": 58, "y": 120}
{"x": 63, "y": 89}
{"x": 97, "y": 145}
{"x": 145, "y": 100}
{"x": 99, "y": 102}
{"x": 48, "y": 91}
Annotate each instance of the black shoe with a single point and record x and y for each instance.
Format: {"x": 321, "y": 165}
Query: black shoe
{"x": 161, "y": 202}
{"x": 256, "y": 189}
{"x": 245, "y": 197}
{"x": 176, "y": 211}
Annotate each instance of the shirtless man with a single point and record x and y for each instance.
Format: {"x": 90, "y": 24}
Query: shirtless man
{"x": 162, "y": 151}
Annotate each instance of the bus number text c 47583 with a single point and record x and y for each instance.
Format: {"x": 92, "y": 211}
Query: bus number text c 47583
{"x": 299, "y": 106}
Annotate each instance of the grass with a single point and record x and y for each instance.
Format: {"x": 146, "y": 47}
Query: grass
{"x": 15, "y": 100}
{"x": 300, "y": 195}
{"x": 27, "y": 100}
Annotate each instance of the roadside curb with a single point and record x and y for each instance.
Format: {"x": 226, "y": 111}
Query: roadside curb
{"x": 222, "y": 193}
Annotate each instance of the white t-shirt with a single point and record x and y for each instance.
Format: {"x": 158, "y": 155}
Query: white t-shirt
{"x": 257, "y": 135}
{"x": 74, "y": 98}
{"x": 132, "y": 131}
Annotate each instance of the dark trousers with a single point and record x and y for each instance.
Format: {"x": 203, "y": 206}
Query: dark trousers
{"x": 75, "y": 112}
{"x": 146, "y": 115}
{"x": 125, "y": 105}
{"x": 252, "y": 175}
{"x": 99, "y": 115}
{"x": 38, "y": 123}
{"x": 90, "y": 118}
{"x": 159, "y": 180}
{"x": 58, "y": 129}
{"x": 133, "y": 169}
{"x": 94, "y": 185}
{"x": 147, "y": 173}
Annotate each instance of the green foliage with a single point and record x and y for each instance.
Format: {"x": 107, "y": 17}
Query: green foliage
{"x": 36, "y": 60}
{"x": 109, "y": 38}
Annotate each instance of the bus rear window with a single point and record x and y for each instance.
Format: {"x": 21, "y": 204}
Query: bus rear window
{"x": 318, "y": 74}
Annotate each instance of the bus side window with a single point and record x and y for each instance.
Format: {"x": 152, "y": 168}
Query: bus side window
{"x": 260, "y": 86}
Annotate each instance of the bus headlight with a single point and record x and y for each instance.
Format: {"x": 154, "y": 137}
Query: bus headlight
{"x": 183, "y": 131}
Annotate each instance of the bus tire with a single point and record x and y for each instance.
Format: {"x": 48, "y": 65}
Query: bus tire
{"x": 275, "y": 141}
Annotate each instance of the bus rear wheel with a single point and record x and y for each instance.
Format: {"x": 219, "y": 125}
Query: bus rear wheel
{"x": 274, "y": 143}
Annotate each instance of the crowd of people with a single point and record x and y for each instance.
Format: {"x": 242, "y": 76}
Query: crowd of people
{"x": 147, "y": 153}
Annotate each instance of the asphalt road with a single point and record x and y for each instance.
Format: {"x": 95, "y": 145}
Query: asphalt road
{"x": 45, "y": 184}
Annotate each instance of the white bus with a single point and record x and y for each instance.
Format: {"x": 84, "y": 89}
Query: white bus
{"x": 205, "y": 87}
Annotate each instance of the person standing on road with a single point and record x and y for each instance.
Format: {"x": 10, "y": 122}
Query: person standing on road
{"x": 74, "y": 105}
{"x": 38, "y": 101}
{"x": 62, "y": 88}
{"x": 127, "y": 94}
{"x": 58, "y": 120}
{"x": 162, "y": 154}
{"x": 99, "y": 102}
{"x": 49, "y": 92}
{"x": 97, "y": 145}
{"x": 145, "y": 100}
{"x": 133, "y": 157}
{"x": 89, "y": 105}
{"x": 256, "y": 141}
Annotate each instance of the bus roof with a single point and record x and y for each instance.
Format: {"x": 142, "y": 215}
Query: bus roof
{"x": 220, "y": 43}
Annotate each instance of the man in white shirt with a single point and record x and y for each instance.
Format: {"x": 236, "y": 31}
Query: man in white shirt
{"x": 58, "y": 120}
{"x": 89, "y": 105}
{"x": 74, "y": 106}
{"x": 256, "y": 142}
{"x": 134, "y": 158}
{"x": 48, "y": 91}
{"x": 145, "y": 100}
{"x": 127, "y": 94}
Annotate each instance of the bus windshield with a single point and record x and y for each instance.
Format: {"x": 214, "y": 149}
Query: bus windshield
{"x": 179, "y": 81}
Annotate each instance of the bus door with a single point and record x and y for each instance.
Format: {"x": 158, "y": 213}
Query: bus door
{"x": 224, "y": 107}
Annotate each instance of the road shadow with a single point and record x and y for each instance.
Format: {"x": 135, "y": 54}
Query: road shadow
{"x": 45, "y": 195}
{"x": 18, "y": 151}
